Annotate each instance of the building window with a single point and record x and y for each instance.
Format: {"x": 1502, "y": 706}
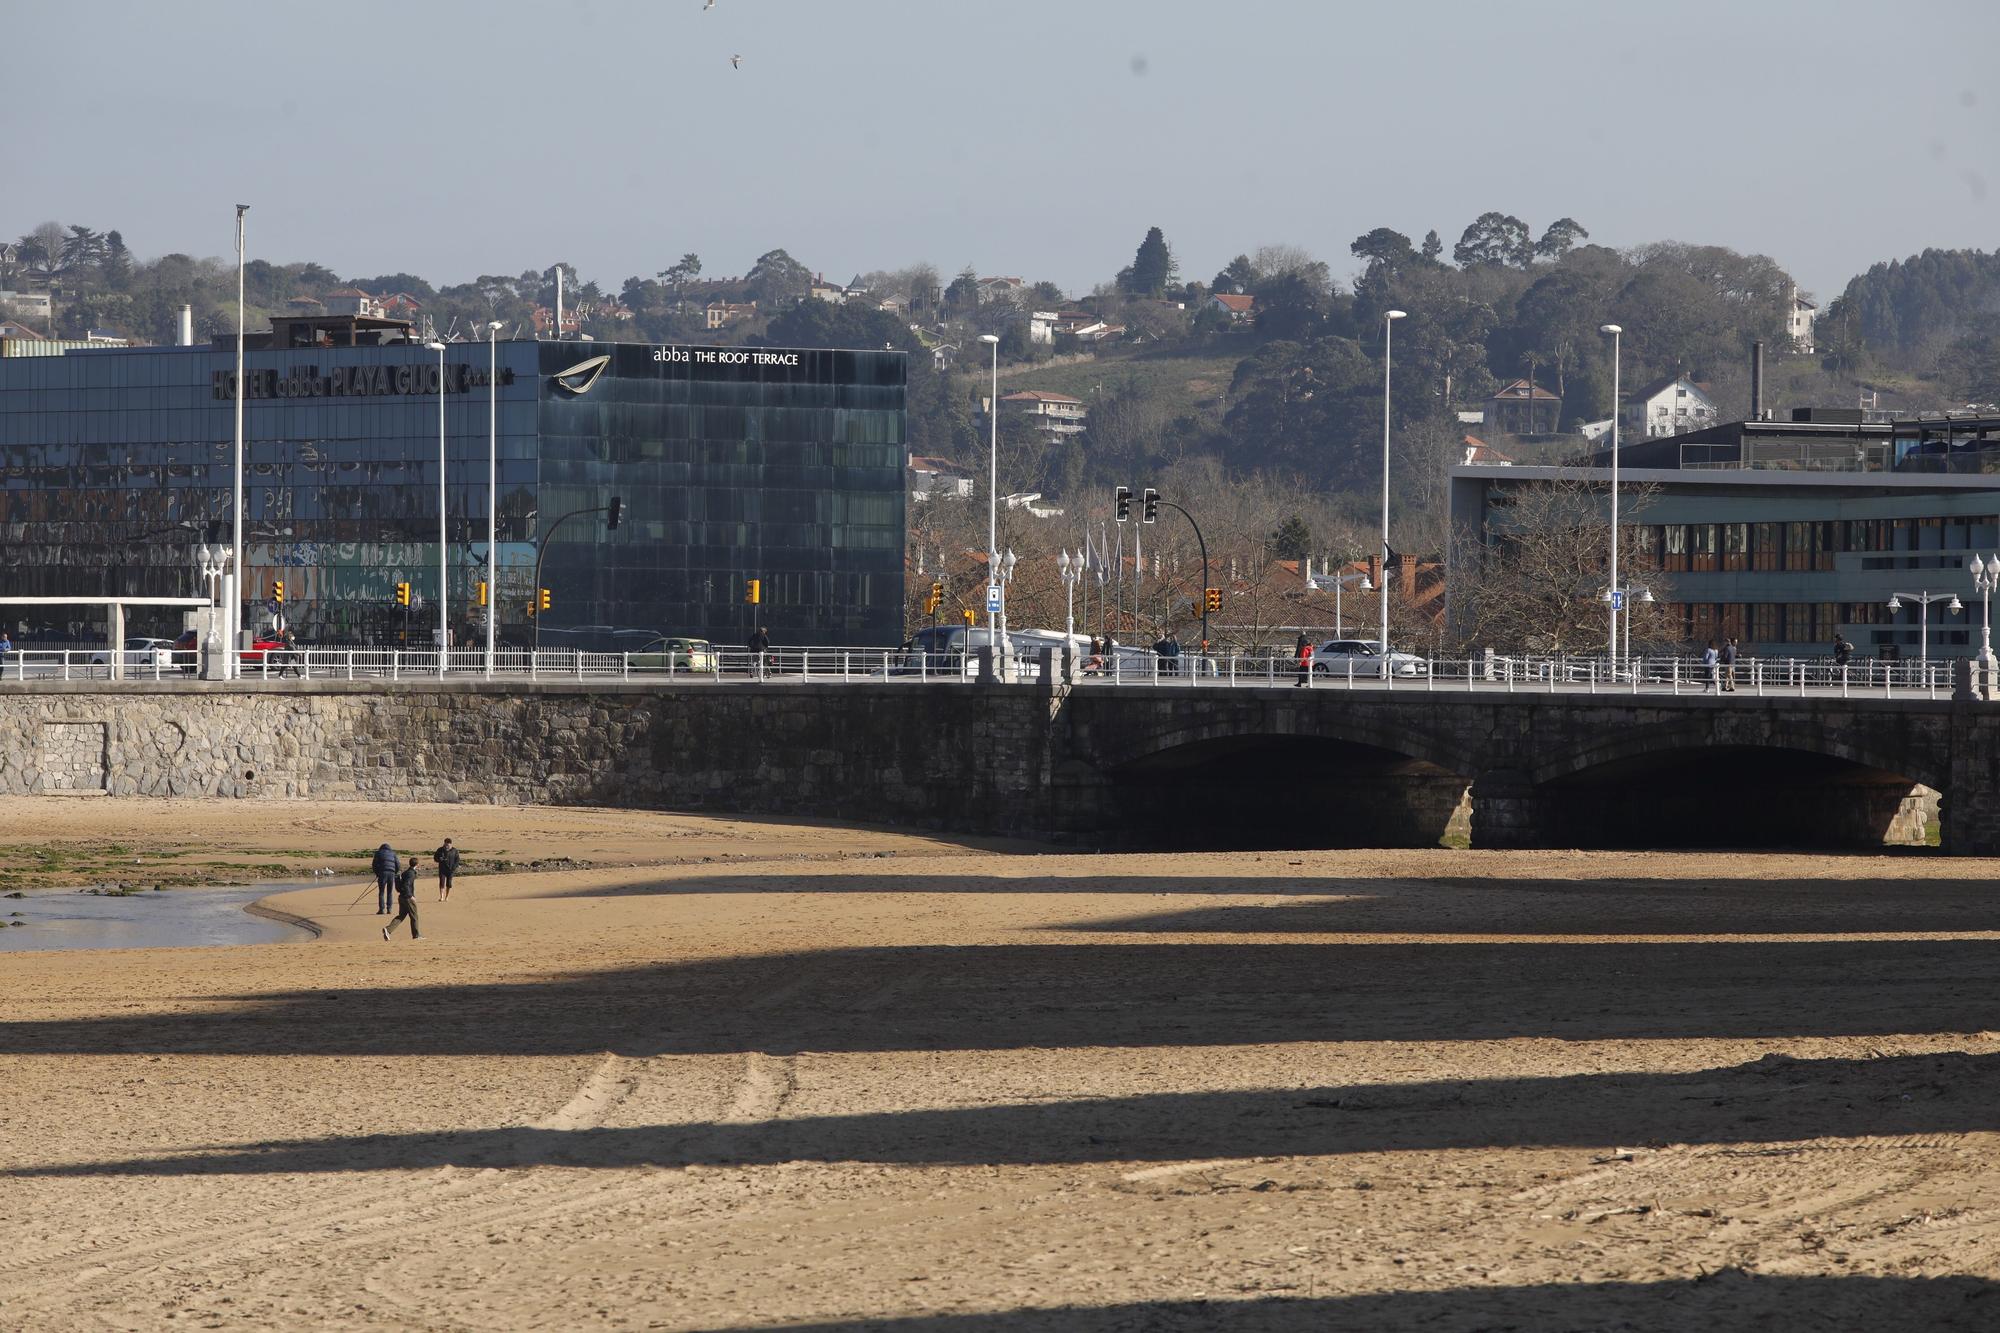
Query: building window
{"x": 1799, "y": 545}
{"x": 1798, "y": 622}
{"x": 1764, "y": 544}
{"x": 1826, "y": 544}
{"x": 1701, "y": 538}
{"x": 1826, "y": 621}
{"x": 1735, "y": 546}
{"x": 1765, "y": 622}
{"x": 1674, "y": 545}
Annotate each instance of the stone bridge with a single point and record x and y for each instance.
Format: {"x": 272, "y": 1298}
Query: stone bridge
{"x": 1130, "y": 766}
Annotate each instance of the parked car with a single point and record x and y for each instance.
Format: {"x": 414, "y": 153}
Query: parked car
{"x": 1359, "y": 657}
{"x": 264, "y": 653}
{"x": 141, "y": 654}
{"x": 675, "y": 655}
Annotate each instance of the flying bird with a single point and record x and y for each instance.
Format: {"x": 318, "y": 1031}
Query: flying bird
{"x": 736, "y": 62}
{"x": 710, "y": 5}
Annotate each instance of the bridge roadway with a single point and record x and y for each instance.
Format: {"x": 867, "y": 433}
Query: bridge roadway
{"x": 1136, "y": 765}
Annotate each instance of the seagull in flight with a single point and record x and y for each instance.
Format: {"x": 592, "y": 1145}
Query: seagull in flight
{"x": 736, "y": 62}
{"x": 710, "y": 5}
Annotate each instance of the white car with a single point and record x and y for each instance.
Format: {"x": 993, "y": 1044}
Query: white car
{"x": 1360, "y": 657}
{"x": 142, "y": 655}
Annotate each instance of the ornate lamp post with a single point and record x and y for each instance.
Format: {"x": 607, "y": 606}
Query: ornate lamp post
{"x": 1072, "y": 574}
{"x": 1985, "y": 578}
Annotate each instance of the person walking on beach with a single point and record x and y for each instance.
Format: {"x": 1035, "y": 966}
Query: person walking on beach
{"x": 386, "y": 867}
{"x": 406, "y": 899}
{"x": 1711, "y": 671}
{"x": 447, "y": 866}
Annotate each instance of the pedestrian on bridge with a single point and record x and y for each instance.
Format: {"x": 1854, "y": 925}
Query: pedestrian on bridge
{"x": 386, "y": 867}
{"x": 1729, "y": 655}
{"x": 1303, "y": 652}
{"x": 1711, "y": 670}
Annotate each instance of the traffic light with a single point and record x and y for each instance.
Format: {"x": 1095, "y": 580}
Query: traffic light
{"x": 482, "y": 592}
{"x": 1150, "y": 512}
{"x": 1214, "y": 598}
{"x": 935, "y": 600}
{"x": 278, "y": 591}
{"x": 402, "y": 594}
{"x": 753, "y": 592}
{"x": 543, "y": 604}
{"x": 611, "y": 517}
{"x": 971, "y": 616}
{"x": 1124, "y": 500}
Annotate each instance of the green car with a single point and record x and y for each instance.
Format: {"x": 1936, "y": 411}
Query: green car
{"x": 675, "y": 655}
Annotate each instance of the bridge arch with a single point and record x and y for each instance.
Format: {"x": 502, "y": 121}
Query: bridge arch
{"x": 1698, "y": 782}
{"x": 1280, "y": 780}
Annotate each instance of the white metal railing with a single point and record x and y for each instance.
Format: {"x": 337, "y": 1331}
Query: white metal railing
{"x": 1755, "y": 677}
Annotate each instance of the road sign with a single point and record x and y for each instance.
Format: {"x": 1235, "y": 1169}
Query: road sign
{"x": 992, "y": 599}
{"x": 1617, "y": 599}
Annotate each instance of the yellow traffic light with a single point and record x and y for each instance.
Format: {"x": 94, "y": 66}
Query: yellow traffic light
{"x": 753, "y": 592}
{"x": 402, "y": 594}
{"x": 937, "y": 591}
{"x": 971, "y": 616}
{"x": 278, "y": 591}
{"x": 544, "y": 603}
{"x": 1215, "y": 599}
{"x": 482, "y": 592}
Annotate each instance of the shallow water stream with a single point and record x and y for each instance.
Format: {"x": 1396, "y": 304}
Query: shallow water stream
{"x": 68, "y": 919}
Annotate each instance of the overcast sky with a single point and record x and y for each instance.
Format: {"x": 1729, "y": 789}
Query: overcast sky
{"x": 1037, "y": 137}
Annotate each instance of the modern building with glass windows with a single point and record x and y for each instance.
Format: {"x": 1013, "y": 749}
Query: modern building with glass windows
{"x": 776, "y": 465}
{"x": 1784, "y": 534}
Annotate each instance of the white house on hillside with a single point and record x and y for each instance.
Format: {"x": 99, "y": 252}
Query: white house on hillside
{"x": 1668, "y": 407}
{"x": 1056, "y": 413}
{"x": 1800, "y": 322}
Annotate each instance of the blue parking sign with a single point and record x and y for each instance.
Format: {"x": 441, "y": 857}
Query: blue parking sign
{"x": 992, "y": 599}
{"x": 1617, "y": 599}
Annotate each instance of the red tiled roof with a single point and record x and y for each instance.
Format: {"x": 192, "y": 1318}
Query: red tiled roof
{"x": 1524, "y": 389}
{"x": 1037, "y": 396}
{"x": 1236, "y": 302}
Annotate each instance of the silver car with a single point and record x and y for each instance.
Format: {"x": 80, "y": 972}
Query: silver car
{"x": 1360, "y": 657}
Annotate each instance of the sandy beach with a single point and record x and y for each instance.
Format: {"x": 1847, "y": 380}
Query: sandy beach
{"x": 669, "y": 1072}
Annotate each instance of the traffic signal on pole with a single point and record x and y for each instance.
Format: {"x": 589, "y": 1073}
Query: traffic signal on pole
{"x": 1124, "y": 508}
{"x": 402, "y": 594}
{"x": 753, "y": 592}
{"x": 935, "y": 600}
{"x": 611, "y": 516}
{"x": 482, "y": 592}
{"x": 1150, "y": 511}
{"x": 971, "y": 616}
{"x": 544, "y": 602}
{"x": 278, "y": 591}
{"x": 1215, "y": 599}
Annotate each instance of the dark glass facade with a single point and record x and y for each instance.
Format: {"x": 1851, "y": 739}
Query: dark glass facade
{"x": 732, "y": 464}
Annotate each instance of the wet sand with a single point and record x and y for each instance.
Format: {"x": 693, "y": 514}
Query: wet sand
{"x": 839, "y": 1078}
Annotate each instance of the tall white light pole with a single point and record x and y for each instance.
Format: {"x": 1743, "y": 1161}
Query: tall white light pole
{"x": 233, "y": 617}
{"x": 1382, "y": 610}
{"x": 1611, "y": 589}
{"x": 444, "y": 547}
{"x": 993, "y": 496}
{"x": 492, "y": 485}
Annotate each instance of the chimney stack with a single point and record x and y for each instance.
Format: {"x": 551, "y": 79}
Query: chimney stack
{"x": 184, "y": 328}
{"x": 1756, "y": 381}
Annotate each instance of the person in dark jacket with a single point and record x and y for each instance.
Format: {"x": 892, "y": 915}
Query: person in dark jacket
{"x": 386, "y": 867}
{"x": 406, "y": 899}
{"x": 446, "y": 858}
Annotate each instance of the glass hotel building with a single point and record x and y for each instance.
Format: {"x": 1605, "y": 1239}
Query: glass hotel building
{"x": 732, "y": 464}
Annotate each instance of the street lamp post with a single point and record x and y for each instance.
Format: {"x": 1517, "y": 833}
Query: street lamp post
{"x": 444, "y": 538}
{"x": 1382, "y": 610}
{"x": 492, "y": 487}
{"x": 1985, "y": 578}
{"x": 993, "y": 504}
{"x": 1340, "y": 581}
{"x": 234, "y": 602}
{"x": 1006, "y": 577}
{"x": 1923, "y": 601}
{"x": 1072, "y": 574}
{"x": 1617, "y": 349}
{"x": 1643, "y": 597}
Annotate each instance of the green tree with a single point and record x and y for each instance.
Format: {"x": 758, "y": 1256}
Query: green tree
{"x": 1153, "y": 267}
{"x": 1560, "y": 238}
{"x": 1384, "y": 246}
{"x": 1237, "y": 277}
{"x": 1433, "y": 246}
{"x": 962, "y": 297}
{"x": 777, "y": 279}
{"x": 1292, "y": 540}
{"x": 1494, "y": 240}
{"x": 681, "y": 274}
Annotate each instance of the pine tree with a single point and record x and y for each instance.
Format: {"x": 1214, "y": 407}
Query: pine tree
{"x": 1153, "y": 267}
